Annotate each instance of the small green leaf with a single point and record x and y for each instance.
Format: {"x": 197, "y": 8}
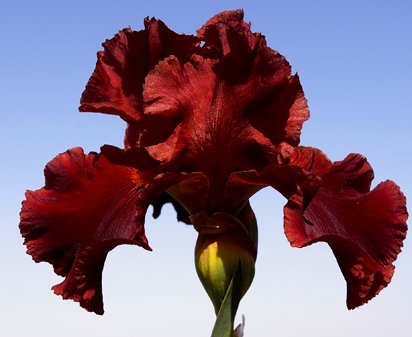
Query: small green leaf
{"x": 227, "y": 312}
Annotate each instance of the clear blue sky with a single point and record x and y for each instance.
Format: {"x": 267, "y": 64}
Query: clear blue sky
{"x": 354, "y": 61}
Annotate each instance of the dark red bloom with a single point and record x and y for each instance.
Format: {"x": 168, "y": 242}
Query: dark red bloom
{"x": 212, "y": 119}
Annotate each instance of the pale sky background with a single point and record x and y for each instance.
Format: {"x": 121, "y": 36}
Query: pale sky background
{"x": 354, "y": 61}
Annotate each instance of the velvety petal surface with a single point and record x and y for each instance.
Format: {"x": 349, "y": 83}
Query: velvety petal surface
{"x": 275, "y": 104}
{"x": 365, "y": 228}
{"x": 115, "y": 86}
{"x": 210, "y": 121}
{"x": 90, "y": 204}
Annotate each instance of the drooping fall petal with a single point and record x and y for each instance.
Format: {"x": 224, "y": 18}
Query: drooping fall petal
{"x": 89, "y": 205}
{"x": 365, "y": 228}
{"x": 115, "y": 86}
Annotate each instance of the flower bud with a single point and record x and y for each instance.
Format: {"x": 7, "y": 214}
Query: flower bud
{"x": 218, "y": 257}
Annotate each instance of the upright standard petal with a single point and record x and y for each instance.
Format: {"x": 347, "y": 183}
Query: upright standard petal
{"x": 365, "y": 228}
{"x": 88, "y": 206}
{"x": 115, "y": 86}
{"x": 204, "y": 119}
{"x": 277, "y": 106}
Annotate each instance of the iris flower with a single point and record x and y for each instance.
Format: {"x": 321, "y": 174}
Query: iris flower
{"x": 211, "y": 120}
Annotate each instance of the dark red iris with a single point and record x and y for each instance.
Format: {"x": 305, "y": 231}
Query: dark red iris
{"x": 211, "y": 119}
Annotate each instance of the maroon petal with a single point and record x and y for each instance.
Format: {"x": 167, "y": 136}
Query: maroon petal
{"x": 200, "y": 118}
{"x": 115, "y": 86}
{"x": 277, "y": 106}
{"x": 364, "y": 228}
{"x": 89, "y": 205}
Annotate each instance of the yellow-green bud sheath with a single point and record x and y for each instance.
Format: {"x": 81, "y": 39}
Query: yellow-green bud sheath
{"x": 225, "y": 256}
{"x": 217, "y": 257}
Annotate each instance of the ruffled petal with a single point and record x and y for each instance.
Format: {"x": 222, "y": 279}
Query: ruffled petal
{"x": 277, "y": 106}
{"x": 90, "y": 204}
{"x": 365, "y": 228}
{"x": 203, "y": 118}
{"x": 332, "y": 202}
{"x": 115, "y": 86}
